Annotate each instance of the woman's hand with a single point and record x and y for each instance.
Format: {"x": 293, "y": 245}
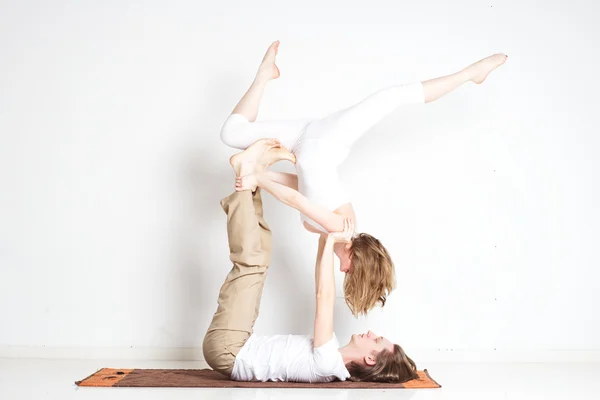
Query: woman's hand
{"x": 344, "y": 236}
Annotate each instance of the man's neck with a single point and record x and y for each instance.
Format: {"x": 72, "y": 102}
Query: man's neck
{"x": 348, "y": 354}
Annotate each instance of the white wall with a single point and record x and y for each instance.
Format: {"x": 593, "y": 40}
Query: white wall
{"x": 111, "y": 168}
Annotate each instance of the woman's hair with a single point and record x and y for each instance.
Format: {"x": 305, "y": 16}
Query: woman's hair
{"x": 372, "y": 276}
{"x": 390, "y": 367}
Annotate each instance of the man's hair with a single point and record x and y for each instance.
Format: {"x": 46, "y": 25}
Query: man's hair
{"x": 372, "y": 276}
{"x": 390, "y": 367}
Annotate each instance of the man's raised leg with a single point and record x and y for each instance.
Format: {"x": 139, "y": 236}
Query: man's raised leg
{"x": 250, "y": 252}
{"x": 239, "y": 298}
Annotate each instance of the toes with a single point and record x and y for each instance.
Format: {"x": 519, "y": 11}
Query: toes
{"x": 274, "y": 143}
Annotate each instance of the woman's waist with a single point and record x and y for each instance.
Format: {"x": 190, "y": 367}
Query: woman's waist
{"x": 330, "y": 195}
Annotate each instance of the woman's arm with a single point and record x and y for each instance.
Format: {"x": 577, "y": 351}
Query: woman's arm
{"x": 325, "y": 283}
{"x": 289, "y": 180}
{"x": 329, "y": 220}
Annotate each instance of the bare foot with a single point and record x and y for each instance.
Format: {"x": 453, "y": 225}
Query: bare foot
{"x": 267, "y": 158}
{"x": 245, "y": 162}
{"x": 268, "y": 70}
{"x": 481, "y": 69}
{"x": 274, "y": 155}
{"x": 246, "y": 182}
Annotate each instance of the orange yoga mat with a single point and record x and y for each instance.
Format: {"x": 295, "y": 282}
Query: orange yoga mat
{"x": 207, "y": 378}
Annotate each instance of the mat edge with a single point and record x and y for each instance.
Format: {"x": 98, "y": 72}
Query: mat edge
{"x": 431, "y": 379}
{"x": 425, "y": 371}
{"x": 78, "y": 383}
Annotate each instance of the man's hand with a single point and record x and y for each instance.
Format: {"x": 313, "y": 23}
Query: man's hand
{"x": 344, "y": 236}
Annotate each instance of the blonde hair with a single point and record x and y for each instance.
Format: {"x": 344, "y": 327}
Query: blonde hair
{"x": 389, "y": 366}
{"x": 372, "y": 276}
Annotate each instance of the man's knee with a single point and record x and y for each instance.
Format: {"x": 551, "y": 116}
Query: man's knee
{"x": 217, "y": 355}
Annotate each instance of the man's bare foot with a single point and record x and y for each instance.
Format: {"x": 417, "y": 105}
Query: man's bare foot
{"x": 245, "y": 162}
{"x": 481, "y": 69}
{"x": 246, "y": 182}
{"x": 266, "y": 159}
{"x": 267, "y": 69}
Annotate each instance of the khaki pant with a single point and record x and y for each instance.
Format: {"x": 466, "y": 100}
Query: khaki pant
{"x": 239, "y": 299}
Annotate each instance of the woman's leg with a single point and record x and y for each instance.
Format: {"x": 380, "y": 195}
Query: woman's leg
{"x": 433, "y": 89}
{"x": 248, "y": 105}
{"x": 239, "y": 133}
{"x": 348, "y": 125}
{"x": 240, "y": 129}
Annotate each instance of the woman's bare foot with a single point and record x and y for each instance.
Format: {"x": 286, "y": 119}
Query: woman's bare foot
{"x": 267, "y": 69}
{"x": 481, "y": 69}
{"x": 276, "y": 154}
{"x": 245, "y": 162}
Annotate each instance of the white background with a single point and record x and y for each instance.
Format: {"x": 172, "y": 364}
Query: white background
{"x": 111, "y": 168}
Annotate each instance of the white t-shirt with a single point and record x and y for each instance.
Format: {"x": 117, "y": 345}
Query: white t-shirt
{"x": 289, "y": 358}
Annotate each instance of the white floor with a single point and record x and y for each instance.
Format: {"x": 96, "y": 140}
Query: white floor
{"x": 53, "y": 379}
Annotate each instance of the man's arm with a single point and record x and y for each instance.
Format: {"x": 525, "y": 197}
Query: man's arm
{"x": 325, "y": 283}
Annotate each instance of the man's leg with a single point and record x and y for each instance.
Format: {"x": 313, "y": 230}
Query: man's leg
{"x": 239, "y": 298}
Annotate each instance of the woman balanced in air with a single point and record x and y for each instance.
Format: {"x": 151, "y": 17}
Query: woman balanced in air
{"x": 318, "y": 147}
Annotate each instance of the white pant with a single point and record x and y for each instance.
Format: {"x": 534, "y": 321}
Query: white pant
{"x": 321, "y": 145}
{"x": 344, "y": 127}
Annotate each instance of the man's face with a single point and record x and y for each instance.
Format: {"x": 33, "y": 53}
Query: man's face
{"x": 370, "y": 344}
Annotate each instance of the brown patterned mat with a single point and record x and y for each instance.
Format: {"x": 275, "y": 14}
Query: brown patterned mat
{"x": 108, "y": 377}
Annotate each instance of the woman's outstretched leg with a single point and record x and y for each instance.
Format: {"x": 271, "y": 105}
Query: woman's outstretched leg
{"x": 240, "y": 129}
{"x": 348, "y": 125}
{"x": 433, "y": 89}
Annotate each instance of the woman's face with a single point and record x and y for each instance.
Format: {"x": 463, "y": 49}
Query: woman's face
{"x": 345, "y": 264}
{"x": 346, "y": 259}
